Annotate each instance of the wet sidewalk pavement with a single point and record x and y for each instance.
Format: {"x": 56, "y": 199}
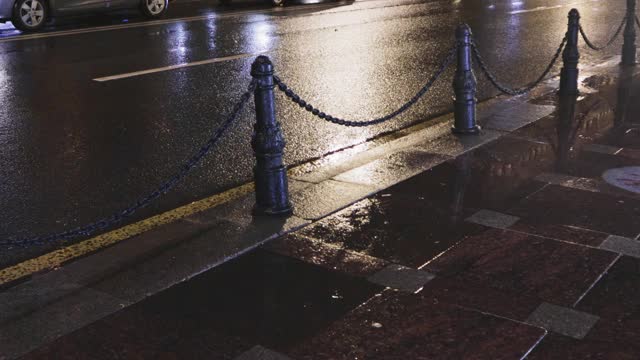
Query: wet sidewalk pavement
{"x": 526, "y": 247}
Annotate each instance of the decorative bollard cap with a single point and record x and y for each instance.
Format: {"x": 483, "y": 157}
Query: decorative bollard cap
{"x": 463, "y": 30}
{"x": 574, "y": 13}
{"x": 262, "y": 66}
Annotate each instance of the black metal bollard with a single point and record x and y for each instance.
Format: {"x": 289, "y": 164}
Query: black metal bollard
{"x": 272, "y": 193}
{"x": 464, "y": 86}
{"x": 571, "y": 57}
{"x": 629, "y": 46}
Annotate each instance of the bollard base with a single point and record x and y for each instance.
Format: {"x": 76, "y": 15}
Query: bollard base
{"x": 266, "y": 211}
{"x": 470, "y": 131}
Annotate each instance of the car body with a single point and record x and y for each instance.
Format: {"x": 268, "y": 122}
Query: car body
{"x": 10, "y": 10}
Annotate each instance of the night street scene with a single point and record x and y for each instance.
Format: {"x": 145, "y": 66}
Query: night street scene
{"x": 319, "y": 179}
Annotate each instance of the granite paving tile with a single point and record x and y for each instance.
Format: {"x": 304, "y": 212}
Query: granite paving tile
{"x": 408, "y": 326}
{"x": 550, "y": 270}
{"x": 622, "y": 245}
{"x": 259, "y": 298}
{"x": 401, "y": 278}
{"x": 326, "y": 255}
{"x": 594, "y": 211}
{"x": 563, "y": 320}
{"x": 555, "y": 346}
{"x": 260, "y": 353}
{"x": 381, "y": 226}
{"x": 567, "y": 233}
{"x": 616, "y": 299}
{"x": 503, "y": 302}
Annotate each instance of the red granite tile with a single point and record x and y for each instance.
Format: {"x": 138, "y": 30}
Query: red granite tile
{"x": 473, "y": 295}
{"x": 616, "y": 299}
{"x": 407, "y": 231}
{"x": 326, "y": 255}
{"x": 571, "y": 234}
{"x": 584, "y": 209}
{"x": 134, "y": 335}
{"x": 504, "y": 260}
{"x": 259, "y": 298}
{"x": 407, "y": 326}
{"x": 555, "y": 346}
{"x": 617, "y": 295}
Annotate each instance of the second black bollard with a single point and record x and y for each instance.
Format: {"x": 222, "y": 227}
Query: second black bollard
{"x": 571, "y": 57}
{"x": 272, "y": 192}
{"x": 464, "y": 86}
{"x": 629, "y": 46}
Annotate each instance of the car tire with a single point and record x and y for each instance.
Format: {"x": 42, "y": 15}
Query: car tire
{"x": 154, "y": 9}
{"x": 29, "y": 15}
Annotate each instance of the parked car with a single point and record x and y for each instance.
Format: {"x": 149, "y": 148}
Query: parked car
{"x": 31, "y": 15}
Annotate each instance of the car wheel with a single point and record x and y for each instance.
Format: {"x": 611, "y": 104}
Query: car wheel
{"x": 154, "y": 8}
{"x": 29, "y": 15}
{"x": 277, "y": 2}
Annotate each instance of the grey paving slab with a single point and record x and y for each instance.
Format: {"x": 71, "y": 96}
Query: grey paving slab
{"x": 516, "y": 117}
{"x": 622, "y": 245}
{"x": 32, "y": 295}
{"x": 393, "y": 169}
{"x": 48, "y": 287}
{"x": 485, "y": 111}
{"x": 454, "y": 145}
{"x": 493, "y": 219}
{"x": 215, "y": 244}
{"x": 55, "y": 320}
{"x": 562, "y": 320}
{"x": 240, "y": 210}
{"x": 260, "y": 353}
{"x": 401, "y": 278}
{"x": 329, "y": 196}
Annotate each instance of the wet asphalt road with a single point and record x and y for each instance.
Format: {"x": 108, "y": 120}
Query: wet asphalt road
{"x": 74, "y": 150}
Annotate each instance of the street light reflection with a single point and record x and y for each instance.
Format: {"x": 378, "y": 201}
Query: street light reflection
{"x": 259, "y": 34}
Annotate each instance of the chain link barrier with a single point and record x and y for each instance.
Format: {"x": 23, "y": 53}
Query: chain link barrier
{"x": 335, "y": 120}
{"x": 613, "y": 38}
{"x": 505, "y": 89}
{"x": 118, "y": 217}
{"x": 142, "y": 202}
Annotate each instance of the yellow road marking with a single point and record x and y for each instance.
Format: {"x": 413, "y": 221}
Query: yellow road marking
{"x": 58, "y": 257}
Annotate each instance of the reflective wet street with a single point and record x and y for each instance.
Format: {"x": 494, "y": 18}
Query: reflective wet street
{"x": 98, "y": 111}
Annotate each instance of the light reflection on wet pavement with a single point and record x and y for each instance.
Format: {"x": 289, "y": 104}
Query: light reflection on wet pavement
{"x": 513, "y": 232}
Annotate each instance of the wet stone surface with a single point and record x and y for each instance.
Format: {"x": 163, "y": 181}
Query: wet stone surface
{"x": 546, "y": 269}
{"x": 412, "y": 222}
{"x": 260, "y": 298}
{"x": 406, "y": 326}
{"x": 589, "y": 210}
{"x": 326, "y": 255}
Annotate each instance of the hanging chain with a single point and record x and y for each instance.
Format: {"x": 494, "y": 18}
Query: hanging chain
{"x": 615, "y": 36}
{"x": 510, "y": 91}
{"x": 142, "y": 202}
{"x": 316, "y": 112}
